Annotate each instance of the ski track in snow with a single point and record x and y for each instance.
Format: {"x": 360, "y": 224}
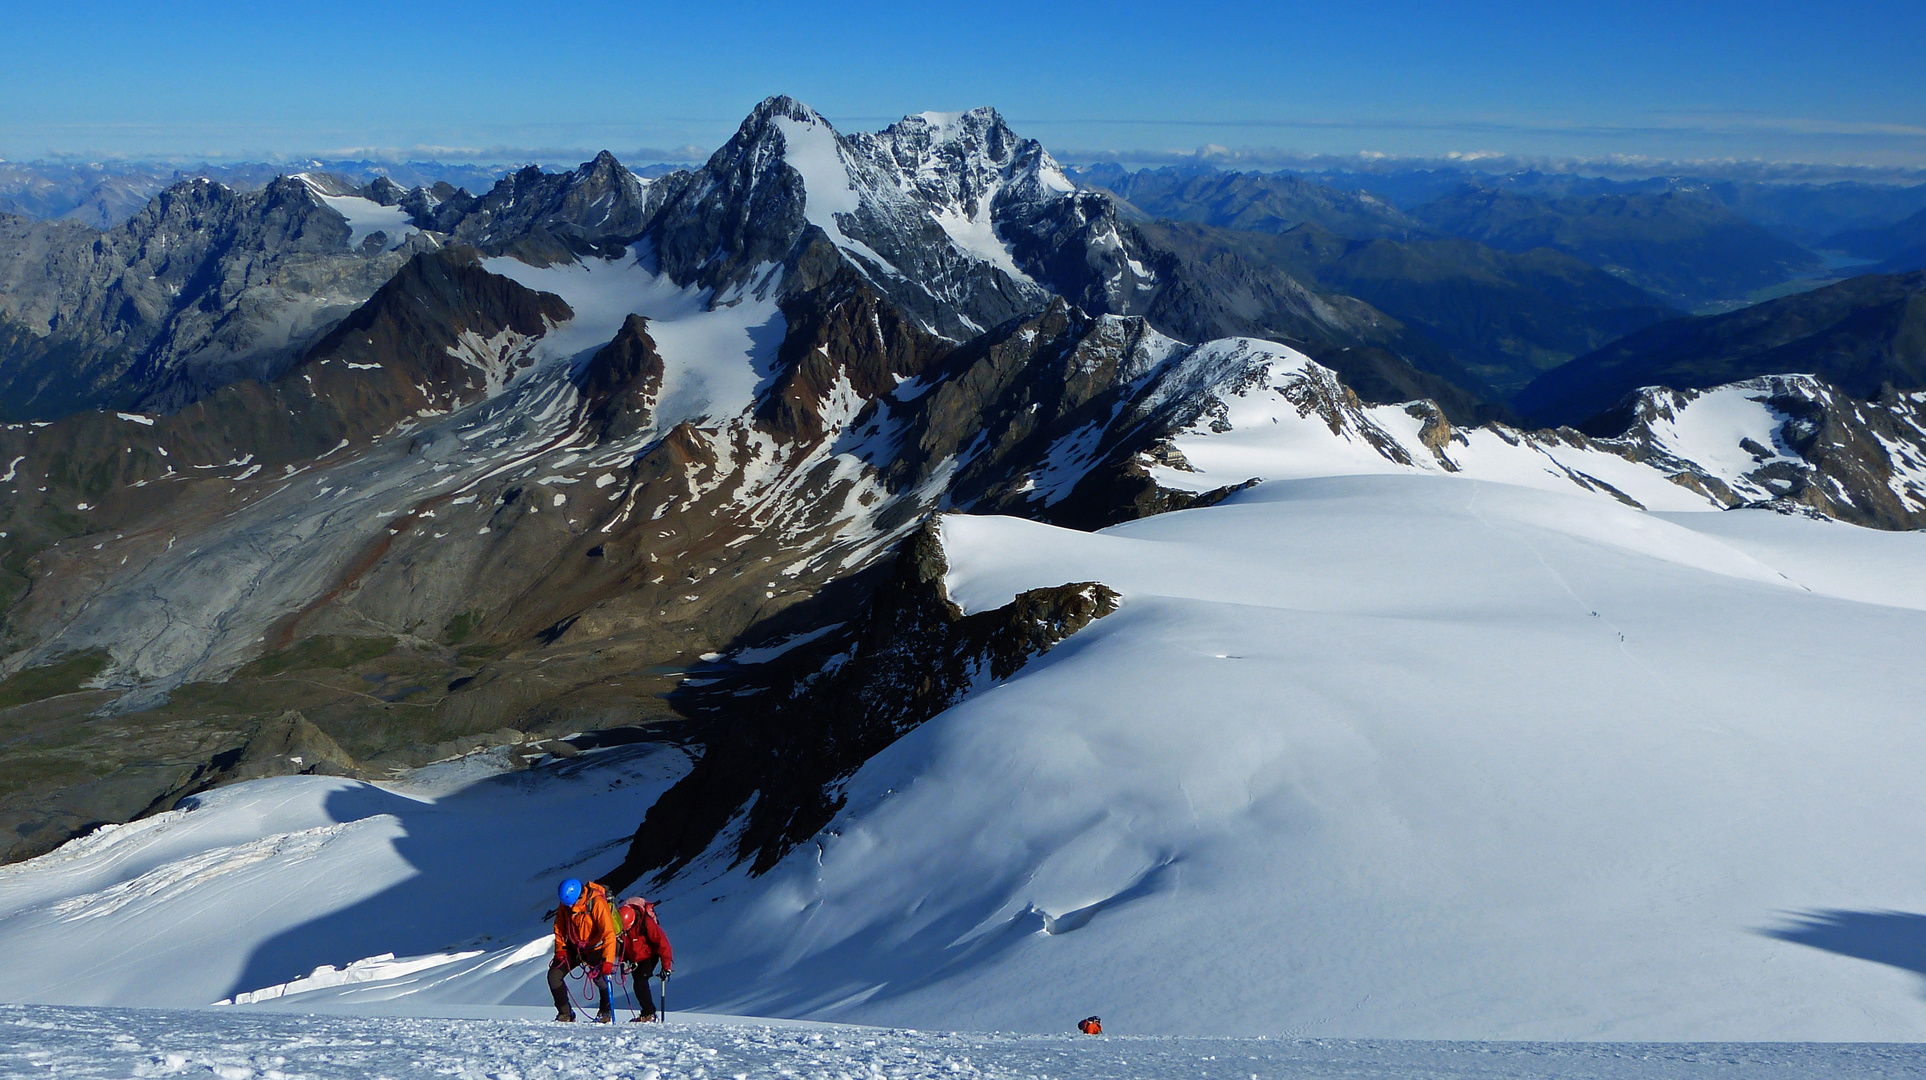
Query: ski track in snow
{"x": 80, "y": 1043}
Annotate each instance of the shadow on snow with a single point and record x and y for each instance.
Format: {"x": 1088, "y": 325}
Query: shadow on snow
{"x": 472, "y": 852}
{"x": 1894, "y": 938}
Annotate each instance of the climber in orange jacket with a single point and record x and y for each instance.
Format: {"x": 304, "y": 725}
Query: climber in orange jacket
{"x": 585, "y": 936}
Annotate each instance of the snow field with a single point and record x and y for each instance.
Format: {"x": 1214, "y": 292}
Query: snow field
{"x": 365, "y": 217}
{"x": 117, "y": 1043}
{"x": 264, "y": 882}
{"x": 1367, "y": 756}
{"x": 1380, "y": 756}
{"x": 715, "y": 350}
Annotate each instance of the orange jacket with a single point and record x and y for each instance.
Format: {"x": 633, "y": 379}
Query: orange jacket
{"x": 588, "y": 926}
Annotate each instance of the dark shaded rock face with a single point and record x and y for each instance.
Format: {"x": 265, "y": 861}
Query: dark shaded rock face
{"x": 549, "y": 217}
{"x": 1860, "y": 335}
{"x": 789, "y": 733}
{"x": 444, "y": 332}
{"x": 202, "y": 286}
{"x": 620, "y": 383}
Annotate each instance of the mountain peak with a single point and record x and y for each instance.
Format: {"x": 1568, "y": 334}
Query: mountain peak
{"x": 782, "y": 105}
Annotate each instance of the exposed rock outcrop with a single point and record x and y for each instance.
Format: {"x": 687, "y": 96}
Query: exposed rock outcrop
{"x": 785, "y": 734}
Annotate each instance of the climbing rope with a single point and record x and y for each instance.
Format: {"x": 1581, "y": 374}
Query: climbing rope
{"x": 592, "y": 997}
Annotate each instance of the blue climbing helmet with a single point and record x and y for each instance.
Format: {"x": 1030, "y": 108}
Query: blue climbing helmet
{"x": 570, "y": 892}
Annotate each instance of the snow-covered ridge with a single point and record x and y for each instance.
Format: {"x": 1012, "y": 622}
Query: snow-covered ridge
{"x": 1264, "y": 411}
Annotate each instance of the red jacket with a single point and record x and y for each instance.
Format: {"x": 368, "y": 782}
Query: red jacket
{"x": 643, "y": 941}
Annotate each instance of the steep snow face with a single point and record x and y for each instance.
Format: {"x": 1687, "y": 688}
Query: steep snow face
{"x": 813, "y": 149}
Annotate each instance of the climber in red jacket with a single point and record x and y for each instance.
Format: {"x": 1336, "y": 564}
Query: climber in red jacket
{"x": 641, "y": 946}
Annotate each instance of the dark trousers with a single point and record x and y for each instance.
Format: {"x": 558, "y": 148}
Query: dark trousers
{"x": 558, "y": 970}
{"x": 644, "y": 997}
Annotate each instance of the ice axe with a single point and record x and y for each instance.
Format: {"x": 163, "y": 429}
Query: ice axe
{"x": 662, "y": 1016}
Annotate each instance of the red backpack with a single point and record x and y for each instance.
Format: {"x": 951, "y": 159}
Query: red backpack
{"x": 641, "y": 936}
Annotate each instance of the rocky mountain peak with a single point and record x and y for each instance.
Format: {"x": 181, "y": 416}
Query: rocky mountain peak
{"x": 921, "y": 209}
{"x": 967, "y": 161}
{"x": 542, "y": 218}
{"x": 385, "y": 191}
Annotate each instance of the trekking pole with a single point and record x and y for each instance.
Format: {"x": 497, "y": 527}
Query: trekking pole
{"x": 663, "y": 1016}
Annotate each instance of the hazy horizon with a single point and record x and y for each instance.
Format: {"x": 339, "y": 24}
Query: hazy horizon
{"x": 1718, "y": 81}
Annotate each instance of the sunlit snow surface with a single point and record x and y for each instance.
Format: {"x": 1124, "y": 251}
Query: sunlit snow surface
{"x": 41, "y": 1041}
{"x": 715, "y": 350}
{"x": 264, "y": 882}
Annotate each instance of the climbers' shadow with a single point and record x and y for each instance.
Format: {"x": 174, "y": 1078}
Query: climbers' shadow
{"x": 1894, "y": 938}
{"x": 478, "y": 864}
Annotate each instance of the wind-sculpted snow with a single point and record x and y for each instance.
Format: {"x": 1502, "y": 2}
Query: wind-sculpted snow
{"x": 117, "y": 1043}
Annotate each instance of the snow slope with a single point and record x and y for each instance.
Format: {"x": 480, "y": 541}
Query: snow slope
{"x": 716, "y": 350}
{"x": 1406, "y": 756}
{"x": 266, "y": 881}
{"x": 364, "y": 216}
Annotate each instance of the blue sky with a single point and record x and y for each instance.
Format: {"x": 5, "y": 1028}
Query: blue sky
{"x": 1839, "y": 82}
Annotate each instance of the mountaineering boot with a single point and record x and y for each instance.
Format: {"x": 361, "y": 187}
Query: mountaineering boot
{"x": 605, "y": 1017}
{"x": 565, "y": 1017}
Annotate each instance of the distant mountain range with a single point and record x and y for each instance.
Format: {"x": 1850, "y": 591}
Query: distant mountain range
{"x": 1687, "y": 249}
{"x": 1505, "y": 317}
{"x": 1866, "y": 336}
{"x": 105, "y": 194}
{"x": 1898, "y": 247}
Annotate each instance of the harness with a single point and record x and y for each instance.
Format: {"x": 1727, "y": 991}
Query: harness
{"x": 569, "y": 937}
